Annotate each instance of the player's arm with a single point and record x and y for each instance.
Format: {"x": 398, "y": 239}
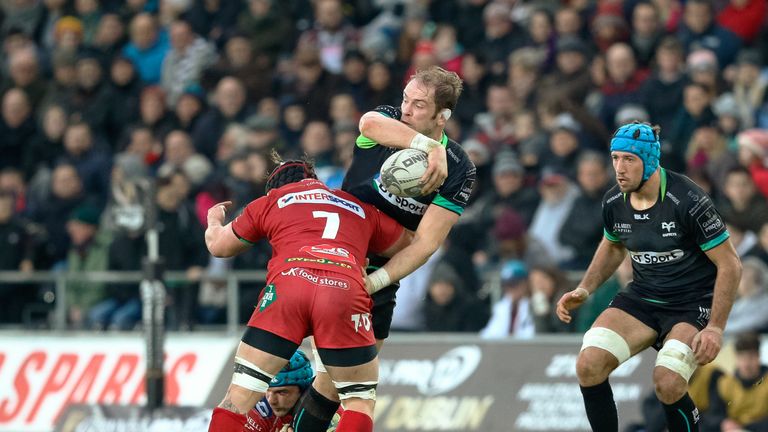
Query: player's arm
{"x": 390, "y": 132}
{"x": 607, "y": 259}
{"x": 432, "y": 230}
{"x": 405, "y": 239}
{"x": 221, "y": 240}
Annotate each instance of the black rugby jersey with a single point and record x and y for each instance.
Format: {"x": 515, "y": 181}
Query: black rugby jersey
{"x": 362, "y": 179}
{"x": 667, "y": 241}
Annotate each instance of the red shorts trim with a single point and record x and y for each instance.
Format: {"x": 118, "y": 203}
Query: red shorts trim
{"x": 300, "y": 302}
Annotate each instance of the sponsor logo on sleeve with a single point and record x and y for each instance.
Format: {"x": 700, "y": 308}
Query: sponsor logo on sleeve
{"x": 325, "y": 281}
{"x": 709, "y": 222}
{"x": 613, "y": 198}
{"x": 650, "y": 258}
{"x": 319, "y": 196}
{"x": 329, "y": 251}
{"x": 624, "y": 228}
{"x": 463, "y": 195}
{"x": 407, "y": 204}
{"x": 269, "y": 297}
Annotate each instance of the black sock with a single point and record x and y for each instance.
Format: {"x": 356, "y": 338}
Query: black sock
{"x": 314, "y": 412}
{"x": 601, "y": 408}
{"x": 682, "y": 415}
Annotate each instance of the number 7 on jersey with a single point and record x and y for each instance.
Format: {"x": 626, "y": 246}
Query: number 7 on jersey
{"x": 331, "y": 223}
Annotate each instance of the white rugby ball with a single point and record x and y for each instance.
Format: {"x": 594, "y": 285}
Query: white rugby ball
{"x": 401, "y": 172}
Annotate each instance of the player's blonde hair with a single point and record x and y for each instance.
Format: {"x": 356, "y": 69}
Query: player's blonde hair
{"x": 447, "y": 86}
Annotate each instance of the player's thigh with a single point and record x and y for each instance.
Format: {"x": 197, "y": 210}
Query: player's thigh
{"x": 683, "y": 332}
{"x": 635, "y": 333}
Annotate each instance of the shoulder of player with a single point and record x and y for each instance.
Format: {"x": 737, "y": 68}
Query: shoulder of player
{"x": 458, "y": 159}
{"x": 681, "y": 189}
{"x": 612, "y": 195}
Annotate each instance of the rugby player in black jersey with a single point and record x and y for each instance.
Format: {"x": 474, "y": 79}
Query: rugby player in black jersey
{"x": 685, "y": 274}
{"x": 428, "y": 100}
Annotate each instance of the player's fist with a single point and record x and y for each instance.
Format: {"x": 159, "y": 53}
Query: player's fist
{"x": 437, "y": 170}
{"x": 218, "y": 212}
{"x": 569, "y": 301}
{"x": 706, "y": 344}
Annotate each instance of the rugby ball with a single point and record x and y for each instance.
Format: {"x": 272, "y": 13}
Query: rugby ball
{"x": 401, "y": 172}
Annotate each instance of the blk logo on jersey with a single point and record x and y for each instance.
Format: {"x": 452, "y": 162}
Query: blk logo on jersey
{"x": 645, "y": 216}
{"x": 362, "y": 320}
{"x": 330, "y": 252}
{"x": 319, "y": 196}
{"x": 656, "y": 257}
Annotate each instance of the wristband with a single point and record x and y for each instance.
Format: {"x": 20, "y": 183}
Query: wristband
{"x": 582, "y": 289}
{"x": 423, "y": 143}
{"x": 379, "y": 279}
{"x": 717, "y": 330}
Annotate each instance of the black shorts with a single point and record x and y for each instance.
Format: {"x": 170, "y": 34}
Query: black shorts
{"x": 660, "y": 317}
{"x": 384, "y": 302}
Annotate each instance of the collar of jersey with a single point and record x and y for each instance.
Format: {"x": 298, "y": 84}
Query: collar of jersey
{"x": 662, "y": 183}
{"x": 444, "y": 140}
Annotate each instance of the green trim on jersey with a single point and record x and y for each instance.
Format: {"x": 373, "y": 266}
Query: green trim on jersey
{"x": 649, "y": 300}
{"x": 715, "y": 241}
{"x": 663, "y": 183}
{"x": 441, "y": 201}
{"x": 245, "y": 241}
{"x": 611, "y": 236}
{"x": 363, "y": 141}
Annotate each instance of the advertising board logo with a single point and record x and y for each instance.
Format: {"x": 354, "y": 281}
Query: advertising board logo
{"x": 433, "y": 376}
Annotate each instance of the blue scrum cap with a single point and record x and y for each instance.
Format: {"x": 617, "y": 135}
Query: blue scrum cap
{"x": 640, "y": 140}
{"x": 297, "y": 372}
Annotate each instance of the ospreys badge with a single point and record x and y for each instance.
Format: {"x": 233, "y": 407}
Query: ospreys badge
{"x": 270, "y": 295}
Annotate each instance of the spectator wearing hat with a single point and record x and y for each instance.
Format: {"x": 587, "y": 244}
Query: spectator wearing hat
{"x": 631, "y": 112}
{"x": 739, "y": 402}
{"x": 92, "y": 162}
{"x": 570, "y": 79}
{"x": 662, "y": 92}
{"x": 728, "y": 118}
{"x": 753, "y": 155}
{"x": 68, "y": 35}
{"x": 703, "y": 68}
{"x": 89, "y": 251}
{"x": 512, "y": 316}
{"x": 547, "y": 285}
{"x": 509, "y": 190}
{"x": 749, "y": 86}
{"x": 184, "y": 63}
{"x": 699, "y": 28}
{"x": 147, "y": 48}
{"x": 449, "y": 307}
{"x": 592, "y": 177}
{"x": 510, "y": 240}
{"x": 647, "y": 32}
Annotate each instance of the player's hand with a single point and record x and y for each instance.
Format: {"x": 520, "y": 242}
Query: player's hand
{"x": 437, "y": 170}
{"x": 218, "y": 212}
{"x": 706, "y": 344}
{"x": 368, "y": 285}
{"x": 569, "y": 301}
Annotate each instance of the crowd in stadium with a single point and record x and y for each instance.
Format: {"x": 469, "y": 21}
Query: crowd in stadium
{"x": 99, "y": 97}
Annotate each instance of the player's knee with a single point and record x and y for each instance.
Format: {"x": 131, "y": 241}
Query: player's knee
{"x": 675, "y": 364}
{"x": 602, "y": 351}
